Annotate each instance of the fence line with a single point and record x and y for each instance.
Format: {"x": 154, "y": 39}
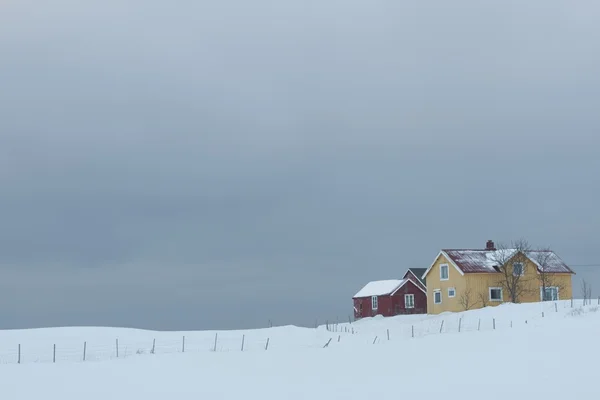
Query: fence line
{"x": 324, "y": 337}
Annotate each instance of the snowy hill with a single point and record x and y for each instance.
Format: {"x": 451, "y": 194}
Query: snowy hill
{"x": 544, "y": 350}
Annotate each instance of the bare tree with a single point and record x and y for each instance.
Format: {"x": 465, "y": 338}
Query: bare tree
{"x": 483, "y": 299}
{"x": 467, "y": 299}
{"x": 511, "y": 261}
{"x": 586, "y": 288}
{"x": 547, "y": 279}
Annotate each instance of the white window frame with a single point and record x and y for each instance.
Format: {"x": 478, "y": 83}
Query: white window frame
{"x": 453, "y": 290}
{"x": 374, "y": 303}
{"x": 447, "y": 272}
{"x": 549, "y": 287}
{"x": 501, "y": 294}
{"x": 522, "y": 268}
{"x": 434, "y": 293}
{"x": 409, "y": 304}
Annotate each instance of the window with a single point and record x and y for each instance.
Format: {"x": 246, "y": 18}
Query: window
{"x": 437, "y": 297}
{"x": 444, "y": 272}
{"x": 495, "y": 294}
{"x": 409, "y": 301}
{"x": 374, "y": 302}
{"x": 518, "y": 269}
{"x": 360, "y": 308}
{"x": 549, "y": 294}
{"x": 451, "y": 292}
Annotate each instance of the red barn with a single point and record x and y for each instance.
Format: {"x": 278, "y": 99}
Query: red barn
{"x": 389, "y": 298}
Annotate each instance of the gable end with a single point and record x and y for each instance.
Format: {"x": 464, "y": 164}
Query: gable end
{"x": 450, "y": 261}
{"x": 405, "y": 282}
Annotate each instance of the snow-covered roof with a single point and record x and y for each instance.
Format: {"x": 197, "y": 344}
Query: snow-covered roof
{"x": 486, "y": 260}
{"x": 548, "y": 261}
{"x": 478, "y": 260}
{"x": 380, "y": 288}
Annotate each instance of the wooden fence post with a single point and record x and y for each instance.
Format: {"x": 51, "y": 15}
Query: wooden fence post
{"x": 243, "y": 338}
{"x": 267, "y": 345}
{"x": 19, "y": 359}
{"x": 459, "y": 323}
{"x": 215, "y": 346}
{"x": 556, "y": 307}
{"x": 442, "y": 326}
{"x": 479, "y": 324}
{"x": 84, "y": 349}
{"x": 117, "y": 347}
{"x": 54, "y": 354}
{"x": 153, "y": 346}
{"x": 494, "y": 322}
{"x": 183, "y": 345}
{"x": 388, "y": 334}
{"x": 413, "y": 331}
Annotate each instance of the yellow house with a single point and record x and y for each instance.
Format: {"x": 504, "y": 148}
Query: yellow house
{"x": 460, "y": 280}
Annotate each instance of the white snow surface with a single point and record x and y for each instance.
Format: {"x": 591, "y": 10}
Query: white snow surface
{"x": 495, "y": 353}
{"x": 379, "y": 288}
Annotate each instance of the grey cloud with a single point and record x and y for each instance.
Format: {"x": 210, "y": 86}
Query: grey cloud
{"x": 263, "y": 160}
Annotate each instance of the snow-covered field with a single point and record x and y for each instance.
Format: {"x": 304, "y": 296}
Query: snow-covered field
{"x": 544, "y": 350}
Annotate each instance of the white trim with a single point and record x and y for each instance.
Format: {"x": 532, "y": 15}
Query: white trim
{"x": 437, "y": 291}
{"x": 454, "y": 290}
{"x": 549, "y": 287}
{"x": 404, "y": 283}
{"x": 501, "y": 294}
{"x": 374, "y": 303}
{"x": 409, "y": 295}
{"x": 447, "y": 272}
{"x": 443, "y": 253}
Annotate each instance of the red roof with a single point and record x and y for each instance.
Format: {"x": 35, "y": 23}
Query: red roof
{"x": 473, "y": 261}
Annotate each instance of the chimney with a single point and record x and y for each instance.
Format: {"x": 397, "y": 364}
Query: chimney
{"x": 490, "y": 245}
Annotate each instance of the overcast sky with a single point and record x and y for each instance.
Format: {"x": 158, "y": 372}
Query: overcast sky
{"x": 194, "y": 164}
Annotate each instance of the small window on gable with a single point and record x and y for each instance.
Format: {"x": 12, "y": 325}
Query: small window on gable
{"x": 495, "y": 294}
{"x": 451, "y": 292}
{"x": 518, "y": 269}
{"x": 437, "y": 297}
{"x": 374, "y": 302}
{"x": 409, "y": 301}
{"x": 444, "y": 272}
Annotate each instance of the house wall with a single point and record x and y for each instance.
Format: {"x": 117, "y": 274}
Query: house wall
{"x": 479, "y": 284}
{"x": 384, "y": 307}
{"x": 456, "y": 281}
{"x": 474, "y": 287}
{"x": 420, "y": 300}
